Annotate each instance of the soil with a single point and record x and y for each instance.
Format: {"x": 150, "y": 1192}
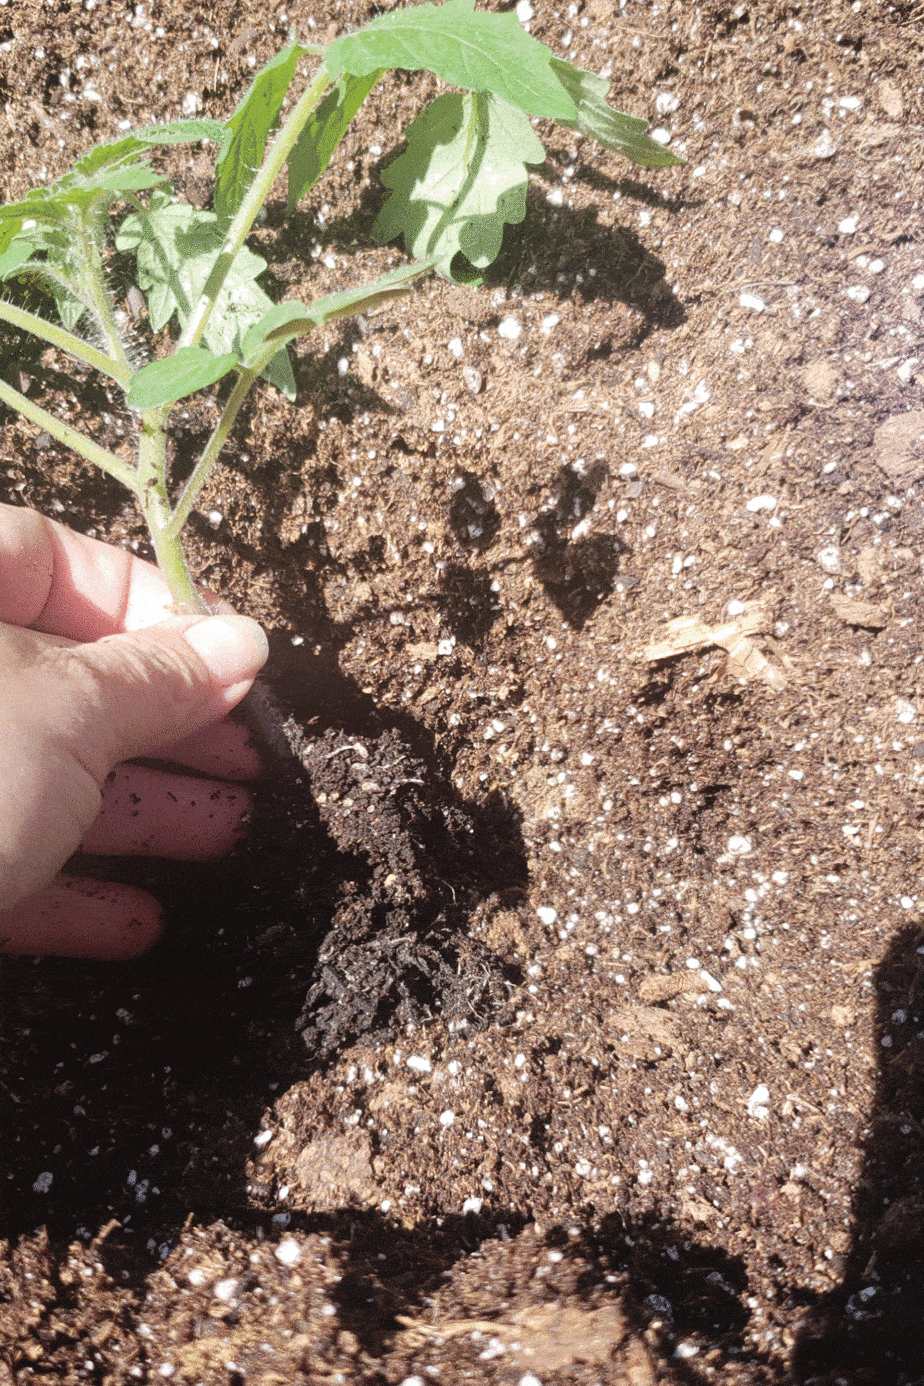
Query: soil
{"x": 564, "y": 1020}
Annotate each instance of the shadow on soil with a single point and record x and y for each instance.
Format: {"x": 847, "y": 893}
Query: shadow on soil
{"x": 138, "y": 1089}
{"x": 578, "y": 573}
{"x": 549, "y": 252}
{"x": 134, "y": 1090}
{"x": 869, "y": 1330}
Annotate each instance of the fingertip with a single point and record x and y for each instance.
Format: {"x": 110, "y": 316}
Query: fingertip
{"x": 75, "y": 918}
{"x": 147, "y": 812}
{"x": 233, "y": 648}
{"x": 224, "y": 750}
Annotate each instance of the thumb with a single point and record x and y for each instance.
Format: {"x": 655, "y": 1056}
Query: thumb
{"x": 129, "y": 695}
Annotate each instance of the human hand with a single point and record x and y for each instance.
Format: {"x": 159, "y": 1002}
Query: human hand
{"x": 93, "y": 672}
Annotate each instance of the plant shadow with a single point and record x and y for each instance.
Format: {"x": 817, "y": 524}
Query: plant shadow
{"x": 558, "y": 250}
{"x": 578, "y": 571}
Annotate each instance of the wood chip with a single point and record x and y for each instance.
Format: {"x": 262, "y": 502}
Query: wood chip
{"x": 745, "y": 661}
{"x": 890, "y": 99}
{"x": 821, "y": 380}
{"x": 898, "y": 446}
{"x": 550, "y": 1337}
{"x": 664, "y": 986}
{"x": 859, "y": 613}
{"x": 868, "y": 565}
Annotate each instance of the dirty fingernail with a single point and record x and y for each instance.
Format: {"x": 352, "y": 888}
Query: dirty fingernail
{"x": 233, "y": 647}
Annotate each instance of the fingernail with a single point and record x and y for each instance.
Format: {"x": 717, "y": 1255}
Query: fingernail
{"x": 233, "y": 647}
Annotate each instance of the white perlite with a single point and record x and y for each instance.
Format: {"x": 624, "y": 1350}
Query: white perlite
{"x": 288, "y": 1252}
{"x": 759, "y": 1103}
{"x": 825, "y": 146}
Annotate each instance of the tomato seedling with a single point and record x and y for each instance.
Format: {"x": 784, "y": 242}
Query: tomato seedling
{"x": 461, "y": 179}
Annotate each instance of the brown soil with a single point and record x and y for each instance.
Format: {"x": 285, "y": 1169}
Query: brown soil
{"x": 611, "y": 1067}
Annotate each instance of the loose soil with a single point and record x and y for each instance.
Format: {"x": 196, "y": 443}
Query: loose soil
{"x": 564, "y": 1019}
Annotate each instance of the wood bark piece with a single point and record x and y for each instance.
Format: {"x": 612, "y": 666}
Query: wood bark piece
{"x": 898, "y": 446}
{"x": 684, "y": 634}
{"x": 859, "y": 613}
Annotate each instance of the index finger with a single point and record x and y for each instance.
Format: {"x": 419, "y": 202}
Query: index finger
{"x": 64, "y": 583}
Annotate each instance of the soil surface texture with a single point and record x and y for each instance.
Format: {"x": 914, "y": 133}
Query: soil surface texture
{"x": 563, "y": 1020}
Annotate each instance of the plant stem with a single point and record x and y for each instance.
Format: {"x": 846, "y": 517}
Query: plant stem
{"x": 71, "y": 438}
{"x": 249, "y": 209}
{"x": 67, "y": 341}
{"x": 155, "y": 506}
{"x": 203, "y": 467}
{"x": 94, "y": 284}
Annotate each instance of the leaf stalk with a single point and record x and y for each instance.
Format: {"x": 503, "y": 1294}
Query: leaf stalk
{"x": 200, "y": 473}
{"x": 70, "y": 437}
{"x": 247, "y": 213}
{"x": 66, "y": 341}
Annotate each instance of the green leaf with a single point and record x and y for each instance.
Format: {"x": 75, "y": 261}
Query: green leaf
{"x": 12, "y": 217}
{"x": 17, "y": 254}
{"x": 100, "y": 178}
{"x": 476, "y": 50}
{"x": 124, "y": 178}
{"x": 167, "y": 240}
{"x": 348, "y": 303}
{"x": 603, "y": 122}
{"x": 249, "y": 128}
{"x": 189, "y": 369}
{"x": 324, "y": 130}
{"x": 109, "y": 168}
{"x": 279, "y": 373}
{"x": 175, "y": 247}
{"x": 53, "y": 275}
{"x": 462, "y": 178}
{"x": 292, "y": 319}
{"x": 103, "y": 156}
{"x": 183, "y": 132}
{"x": 42, "y": 209}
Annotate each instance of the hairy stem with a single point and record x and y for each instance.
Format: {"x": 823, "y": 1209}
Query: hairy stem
{"x": 249, "y": 209}
{"x": 67, "y": 341}
{"x": 93, "y": 282}
{"x": 155, "y": 506}
{"x": 70, "y": 437}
